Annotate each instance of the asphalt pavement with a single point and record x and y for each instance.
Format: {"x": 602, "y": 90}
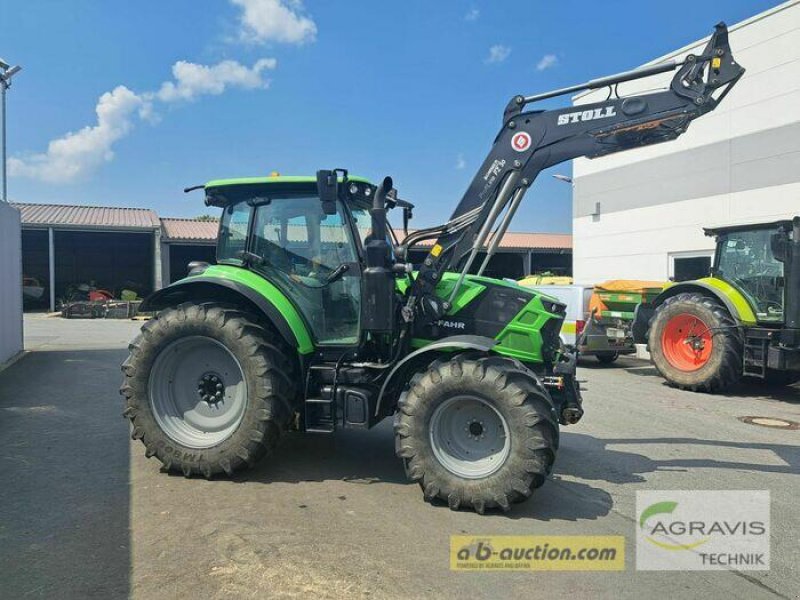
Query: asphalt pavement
{"x": 84, "y": 514}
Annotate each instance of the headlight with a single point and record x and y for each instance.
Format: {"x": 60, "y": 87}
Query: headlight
{"x": 555, "y": 308}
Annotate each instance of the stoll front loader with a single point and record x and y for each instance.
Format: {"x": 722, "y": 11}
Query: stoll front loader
{"x": 313, "y": 319}
{"x": 742, "y": 321}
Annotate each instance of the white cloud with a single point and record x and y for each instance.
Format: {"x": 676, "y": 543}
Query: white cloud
{"x": 460, "y": 163}
{"x": 282, "y": 21}
{"x": 472, "y": 14}
{"x": 78, "y": 153}
{"x": 547, "y": 61}
{"x": 193, "y": 80}
{"x": 497, "y": 54}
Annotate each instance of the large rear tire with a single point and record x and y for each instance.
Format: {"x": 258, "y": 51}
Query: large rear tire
{"x": 206, "y": 389}
{"x": 477, "y": 432}
{"x": 695, "y": 344}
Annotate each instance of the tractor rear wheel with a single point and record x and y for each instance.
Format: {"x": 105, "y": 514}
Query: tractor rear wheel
{"x": 695, "y": 344}
{"x": 206, "y": 389}
{"x": 477, "y": 432}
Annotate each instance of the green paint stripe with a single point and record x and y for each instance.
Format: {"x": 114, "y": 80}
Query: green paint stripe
{"x": 746, "y": 313}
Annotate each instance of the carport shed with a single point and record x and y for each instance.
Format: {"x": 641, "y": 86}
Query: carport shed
{"x": 116, "y": 248}
{"x": 110, "y": 247}
{"x": 184, "y": 241}
{"x": 519, "y": 255}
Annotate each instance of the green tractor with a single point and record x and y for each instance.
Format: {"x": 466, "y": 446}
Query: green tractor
{"x": 313, "y": 318}
{"x": 742, "y": 321}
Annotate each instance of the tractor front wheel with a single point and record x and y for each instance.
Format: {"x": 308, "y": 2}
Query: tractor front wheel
{"x": 695, "y": 344}
{"x": 477, "y": 432}
{"x": 206, "y": 389}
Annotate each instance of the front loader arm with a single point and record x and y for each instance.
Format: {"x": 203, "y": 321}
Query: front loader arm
{"x": 535, "y": 140}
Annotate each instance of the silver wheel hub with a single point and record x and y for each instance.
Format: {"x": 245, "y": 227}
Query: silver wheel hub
{"x": 197, "y": 391}
{"x": 469, "y": 437}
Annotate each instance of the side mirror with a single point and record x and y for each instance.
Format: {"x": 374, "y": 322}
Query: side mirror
{"x": 328, "y": 190}
{"x": 408, "y": 214}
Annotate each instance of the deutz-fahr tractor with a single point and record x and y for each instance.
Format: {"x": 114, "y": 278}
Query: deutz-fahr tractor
{"x": 741, "y": 321}
{"x": 313, "y": 318}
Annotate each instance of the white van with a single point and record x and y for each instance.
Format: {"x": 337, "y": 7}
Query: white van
{"x": 588, "y": 335}
{"x": 576, "y": 297}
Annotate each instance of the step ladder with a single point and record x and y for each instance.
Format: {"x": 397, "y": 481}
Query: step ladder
{"x": 755, "y": 357}
{"x": 320, "y": 406}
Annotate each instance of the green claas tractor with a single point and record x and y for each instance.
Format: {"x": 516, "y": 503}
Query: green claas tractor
{"x": 313, "y": 319}
{"x": 742, "y": 321}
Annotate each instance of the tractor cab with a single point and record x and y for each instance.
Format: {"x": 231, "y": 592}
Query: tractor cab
{"x": 746, "y": 259}
{"x": 308, "y": 245}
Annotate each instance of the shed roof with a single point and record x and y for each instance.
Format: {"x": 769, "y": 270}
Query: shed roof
{"x": 93, "y": 217}
{"x": 189, "y": 230}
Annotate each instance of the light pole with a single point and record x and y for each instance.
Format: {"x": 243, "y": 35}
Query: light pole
{"x": 6, "y": 73}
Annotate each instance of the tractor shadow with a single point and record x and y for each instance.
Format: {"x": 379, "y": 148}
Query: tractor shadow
{"x": 790, "y": 393}
{"x": 591, "y": 459}
{"x": 360, "y": 457}
{"x": 749, "y": 388}
{"x": 368, "y": 458}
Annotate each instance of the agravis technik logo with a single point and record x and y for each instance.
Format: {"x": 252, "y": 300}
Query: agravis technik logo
{"x": 702, "y": 530}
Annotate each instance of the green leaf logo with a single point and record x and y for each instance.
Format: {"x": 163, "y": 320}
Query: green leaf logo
{"x": 656, "y": 509}
{"x": 662, "y": 508}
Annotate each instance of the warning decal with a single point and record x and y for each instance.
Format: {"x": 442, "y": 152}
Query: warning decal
{"x": 521, "y": 141}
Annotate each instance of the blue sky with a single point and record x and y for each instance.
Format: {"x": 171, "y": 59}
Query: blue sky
{"x": 190, "y": 91}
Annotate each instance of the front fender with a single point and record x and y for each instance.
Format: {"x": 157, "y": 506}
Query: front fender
{"x": 456, "y": 342}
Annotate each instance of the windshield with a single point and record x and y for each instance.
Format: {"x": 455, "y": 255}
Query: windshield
{"x": 746, "y": 261}
{"x": 295, "y": 238}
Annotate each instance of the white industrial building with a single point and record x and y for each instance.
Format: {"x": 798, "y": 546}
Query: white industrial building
{"x": 640, "y": 214}
{"x": 11, "y": 287}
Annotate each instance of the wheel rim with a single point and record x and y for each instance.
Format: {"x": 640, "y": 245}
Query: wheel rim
{"x": 198, "y": 393}
{"x": 469, "y": 437}
{"x": 687, "y": 342}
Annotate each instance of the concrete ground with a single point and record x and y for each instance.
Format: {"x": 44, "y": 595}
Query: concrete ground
{"x": 83, "y": 514}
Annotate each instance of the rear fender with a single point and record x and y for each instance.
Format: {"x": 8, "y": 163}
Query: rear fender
{"x": 216, "y": 289}
{"x": 713, "y": 287}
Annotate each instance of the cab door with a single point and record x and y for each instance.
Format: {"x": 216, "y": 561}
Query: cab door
{"x": 312, "y": 257}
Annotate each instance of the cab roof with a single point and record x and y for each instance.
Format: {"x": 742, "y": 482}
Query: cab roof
{"x": 714, "y": 231}
{"x": 276, "y": 180}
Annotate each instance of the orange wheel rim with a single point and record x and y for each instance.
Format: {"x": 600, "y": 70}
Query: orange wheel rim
{"x": 687, "y": 342}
